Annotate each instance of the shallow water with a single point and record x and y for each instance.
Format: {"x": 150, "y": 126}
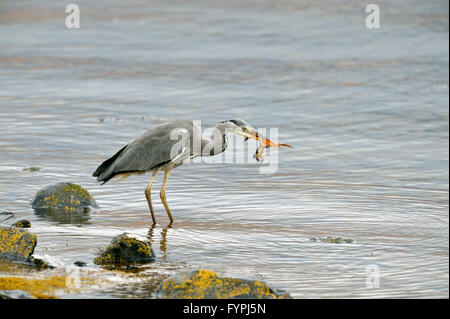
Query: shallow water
{"x": 366, "y": 110}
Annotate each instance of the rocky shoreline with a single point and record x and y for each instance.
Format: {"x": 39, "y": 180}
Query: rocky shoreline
{"x": 125, "y": 250}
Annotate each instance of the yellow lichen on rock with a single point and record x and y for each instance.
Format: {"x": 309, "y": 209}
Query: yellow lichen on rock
{"x": 125, "y": 249}
{"x": 45, "y": 287}
{"x": 38, "y": 288}
{"x": 16, "y": 243}
{"x": 205, "y": 284}
{"x": 64, "y": 197}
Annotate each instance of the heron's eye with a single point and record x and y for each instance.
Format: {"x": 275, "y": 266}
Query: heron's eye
{"x": 244, "y": 129}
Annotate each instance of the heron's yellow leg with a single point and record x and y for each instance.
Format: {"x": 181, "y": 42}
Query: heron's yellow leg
{"x": 163, "y": 194}
{"x": 148, "y": 194}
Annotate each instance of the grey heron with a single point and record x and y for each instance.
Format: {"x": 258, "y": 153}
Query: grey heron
{"x": 161, "y": 149}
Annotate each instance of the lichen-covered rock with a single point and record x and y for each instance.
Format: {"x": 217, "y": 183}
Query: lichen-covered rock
{"x": 16, "y": 243}
{"x": 205, "y": 284}
{"x": 23, "y": 223}
{"x": 35, "y": 287}
{"x": 125, "y": 249}
{"x": 63, "y": 197}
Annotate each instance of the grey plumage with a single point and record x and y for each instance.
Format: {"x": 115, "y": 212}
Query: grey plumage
{"x": 147, "y": 152}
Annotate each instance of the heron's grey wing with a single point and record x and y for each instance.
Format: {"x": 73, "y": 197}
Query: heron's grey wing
{"x": 162, "y": 144}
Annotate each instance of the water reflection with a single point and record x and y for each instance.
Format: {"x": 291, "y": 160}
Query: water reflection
{"x": 162, "y": 242}
{"x": 62, "y": 217}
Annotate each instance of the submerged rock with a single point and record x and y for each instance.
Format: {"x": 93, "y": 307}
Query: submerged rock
{"x": 16, "y": 243}
{"x": 63, "y": 197}
{"x": 23, "y": 223}
{"x": 205, "y": 284}
{"x": 333, "y": 240}
{"x": 125, "y": 249}
{"x": 32, "y": 169}
{"x": 337, "y": 240}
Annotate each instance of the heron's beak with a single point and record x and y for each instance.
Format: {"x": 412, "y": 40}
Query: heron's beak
{"x": 250, "y": 132}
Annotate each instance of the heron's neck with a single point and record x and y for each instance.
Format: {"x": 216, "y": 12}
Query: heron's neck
{"x": 217, "y": 144}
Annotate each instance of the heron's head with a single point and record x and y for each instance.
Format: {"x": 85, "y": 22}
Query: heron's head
{"x": 242, "y": 128}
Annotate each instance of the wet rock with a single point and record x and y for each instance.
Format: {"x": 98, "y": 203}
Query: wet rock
{"x": 38, "y": 262}
{"x": 16, "y": 243}
{"x": 14, "y": 294}
{"x": 63, "y": 197}
{"x": 80, "y": 263}
{"x": 23, "y": 223}
{"x": 125, "y": 249}
{"x": 205, "y": 284}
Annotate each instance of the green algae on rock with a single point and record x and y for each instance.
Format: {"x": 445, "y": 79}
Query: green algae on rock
{"x": 205, "y": 284}
{"x": 16, "y": 243}
{"x": 125, "y": 249}
{"x": 32, "y": 169}
{"x": 63, "y": 197}
{"x": 332, "y": 240}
